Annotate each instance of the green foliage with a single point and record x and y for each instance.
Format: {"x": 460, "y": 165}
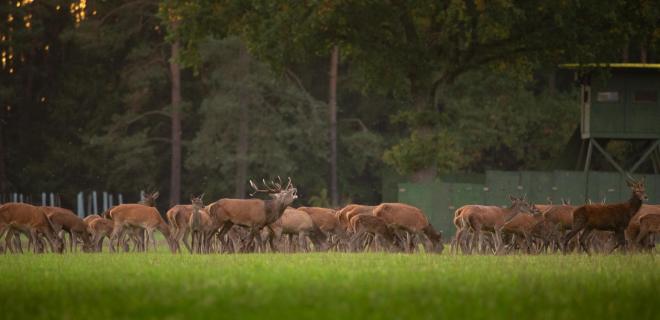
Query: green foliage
{"x": 424, "y": 149}
{"x": 320, "y": 200}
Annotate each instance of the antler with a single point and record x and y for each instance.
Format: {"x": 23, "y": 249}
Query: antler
{"x": 272, "y": 188}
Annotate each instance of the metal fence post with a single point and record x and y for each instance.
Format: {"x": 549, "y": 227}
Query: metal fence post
{"x": 80, "y": 204}
{"x": 94, "y": 203}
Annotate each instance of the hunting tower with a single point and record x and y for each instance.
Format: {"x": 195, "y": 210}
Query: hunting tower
{"x": 618, "y": 101}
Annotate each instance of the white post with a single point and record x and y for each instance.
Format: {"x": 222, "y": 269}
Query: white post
{"x": 81, "y": 204}
{"x": 94, "y": 204}
{"x": 105, "y": 201}
{"x": 21, "y": 197}
{"x": 121, "y": 199}
{"x": 43, "y": 198}
{"x": 110, "y": 201}
{"x": 52, "y": 199}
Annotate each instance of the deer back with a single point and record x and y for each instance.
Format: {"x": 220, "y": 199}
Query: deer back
{"x": 402, "y": 215}
{"x": 136, "y": 215}
{"x": 245, "y": 212}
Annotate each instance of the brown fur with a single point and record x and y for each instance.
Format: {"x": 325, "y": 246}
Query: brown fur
{"x": 139, "y": 216}
{"x": 632, "y": 231}
{"x": 66, "y": 220}
{"x": 299, "y": 223}
{"x": 363, "y": 225}
{"x": 649, "y": 225}
{"x": 31, "y": 220}
{"x": 100, "y": 228}
{"x": 607, "y": 217}
{"x": 411, "y": 219}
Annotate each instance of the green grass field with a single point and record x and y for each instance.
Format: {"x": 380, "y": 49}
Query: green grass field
{"x": 328, "y": 285}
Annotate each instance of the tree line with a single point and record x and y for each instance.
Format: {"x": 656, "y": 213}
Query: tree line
{"x": 191, "y": 96}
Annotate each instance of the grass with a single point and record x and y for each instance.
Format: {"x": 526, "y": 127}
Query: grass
{"x": 328, "y": 285}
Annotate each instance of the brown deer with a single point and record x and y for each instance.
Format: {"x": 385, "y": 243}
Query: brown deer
{"x": 480, "y": 219}
{"x": 65, "y": 220}
{"x": 607, "y": 217}
{"x": 326, "y": 220}
{"x": 197, "y": 221}
{"x": 100, "y": 228}
{"x": 410, "y": 219}
{"x": 633, "y": 226}
{"x": 178, "y": 217}
{"x": 254, "y": 213}
{"x": 523, "y": 224}
{"x": 371, "y": 226}
{"x": 649, "y": 225}
{"x": 142, "y": 217}
{"x": 294, "y": 222}
{"x": 30, "y": 220}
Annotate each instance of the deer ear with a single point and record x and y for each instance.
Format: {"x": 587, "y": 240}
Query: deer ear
{"x": 155, "y": 195}
{"x": 201, "y": 196}
{"x": 512, "y": 198}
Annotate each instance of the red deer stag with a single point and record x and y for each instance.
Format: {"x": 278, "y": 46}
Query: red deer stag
{"x": 254, "y": 213}
{"x": 607, "y": 217}
{"x": 66, "y": 221}
{"x": 30, "y": 220}
{"x": 141, "y": 217}
{"x": 410, "y": 219}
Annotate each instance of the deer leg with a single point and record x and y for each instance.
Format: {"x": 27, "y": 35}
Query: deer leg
{"x": 584, "y": 237}
{"x": 620, "y": 240}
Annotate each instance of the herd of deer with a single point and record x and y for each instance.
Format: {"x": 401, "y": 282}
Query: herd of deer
{"x": 226, "y": 225}
{"x": 537, "y": 228}
{"x": 255, "y": 225}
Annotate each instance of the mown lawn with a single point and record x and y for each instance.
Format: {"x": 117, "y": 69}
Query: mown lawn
{"x": 328, "y": 285}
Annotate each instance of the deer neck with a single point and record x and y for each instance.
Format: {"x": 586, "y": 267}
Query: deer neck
{"x": 635, "y": 203}
{"x": 164, "y": 229}
{"x": 275, "y": 208}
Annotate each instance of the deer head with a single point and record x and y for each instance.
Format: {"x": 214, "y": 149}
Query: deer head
{"x": 638, "y": 188}
{"x": 284, "y": 196}
{"x": 197, "y": 201}
{"x": 150, "y": 199}
{"x": 518, "y": 205}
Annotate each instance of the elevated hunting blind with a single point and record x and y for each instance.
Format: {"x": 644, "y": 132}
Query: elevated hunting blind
{"x": 619, "y": 101}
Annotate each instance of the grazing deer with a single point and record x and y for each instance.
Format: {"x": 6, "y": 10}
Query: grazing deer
{"x": 30, "y": 220}
{"x": 607, "y": 217}
{"x": 142, "y": 217}
{"x": 523, "y": 224}
{"x": 367, "y": 225}
{"x": 65, "y": 220}
{"x": 254, "y": 213}
{"x": 649, "y": 225}
{"x": 178, "y": 217}
{"x": 100, "y": 228}
{"x": 412, "y": 220}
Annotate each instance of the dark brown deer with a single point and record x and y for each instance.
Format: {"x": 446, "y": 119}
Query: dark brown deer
{"x": 607, "y": 217}
{"x": 30, "y": 220}
{"x": 410, "y": 219}
{"x": 66, "y": 221}
{"x": 254, "y": 213}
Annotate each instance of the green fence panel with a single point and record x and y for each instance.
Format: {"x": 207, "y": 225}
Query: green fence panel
{"x": 500, "y": 185}
{"x": 433, "y": 199}
{"x": 538, "y": 186}
{"x": 604, "y": 186}
{"x": 570, "y": 186}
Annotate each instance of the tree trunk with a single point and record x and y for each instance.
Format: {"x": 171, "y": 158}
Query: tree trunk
{"x": 243, "y": 130}
{"x": 332, "y": 106}
{"x": 3, "y": 173}
{"x": 643, "y": 53}
{"x": 175, "y": 174}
